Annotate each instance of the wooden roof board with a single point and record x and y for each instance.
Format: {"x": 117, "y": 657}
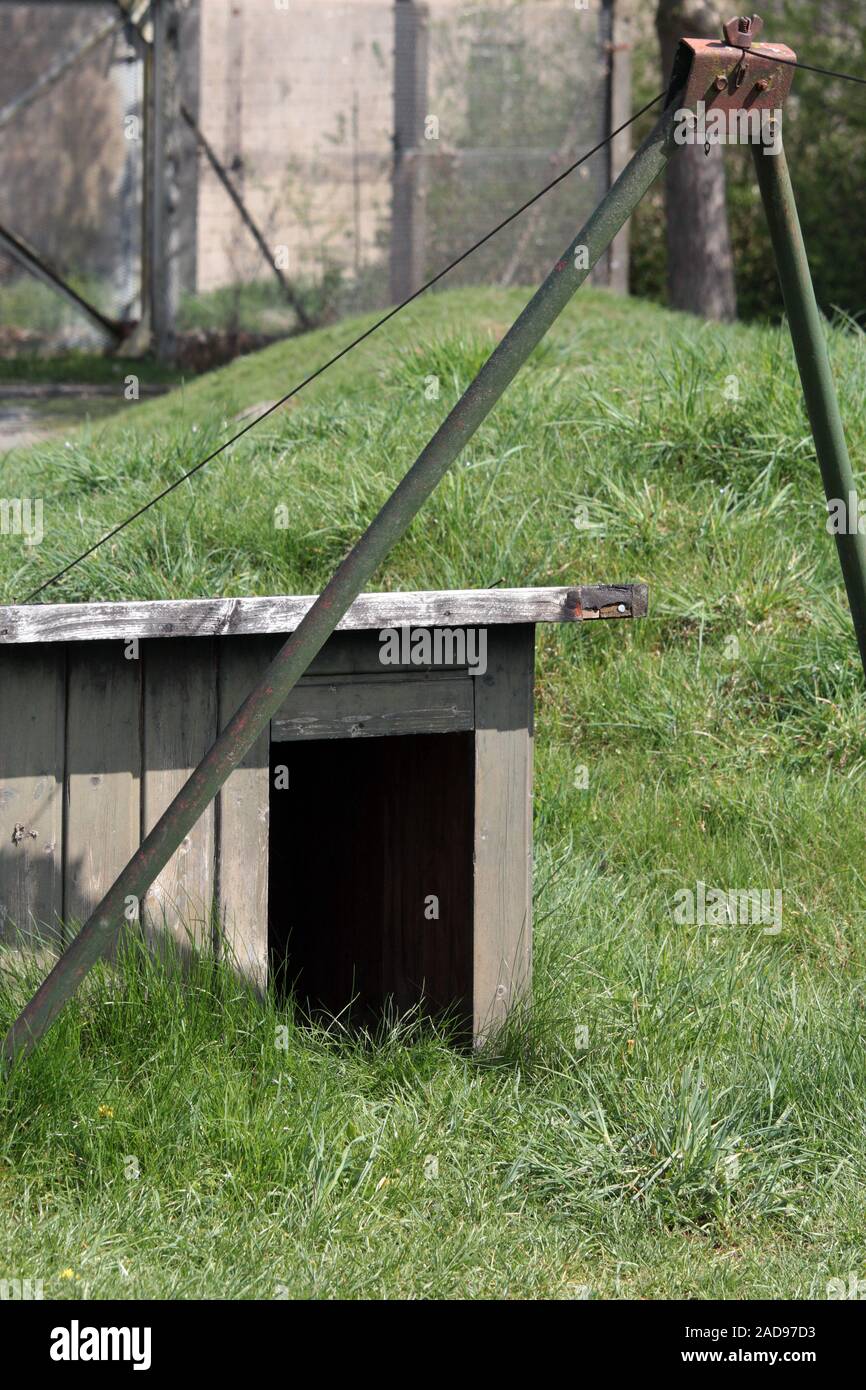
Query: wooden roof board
{"x": 228, "y": 617}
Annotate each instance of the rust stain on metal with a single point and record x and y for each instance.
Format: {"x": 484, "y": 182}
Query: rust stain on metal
{"x": 729, "y": 78}
{"x": 573, "y": 608}
{"x": 592, "y": 601}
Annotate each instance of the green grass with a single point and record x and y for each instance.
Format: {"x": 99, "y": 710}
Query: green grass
{"x": 76, "y": 367}
{"x": 708, "y": 1140}
{"x": 26, "y": 303}
{"x": 260, "y": 306}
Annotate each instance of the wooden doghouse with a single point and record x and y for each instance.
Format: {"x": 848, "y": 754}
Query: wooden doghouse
{"x": 379, "y": 838}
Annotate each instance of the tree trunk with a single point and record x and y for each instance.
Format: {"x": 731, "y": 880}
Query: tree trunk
{"x": 700, "y": 261}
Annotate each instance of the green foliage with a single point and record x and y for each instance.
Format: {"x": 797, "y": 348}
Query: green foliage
{"x": 825, "y": 141}
{"x": 260, "y": 306}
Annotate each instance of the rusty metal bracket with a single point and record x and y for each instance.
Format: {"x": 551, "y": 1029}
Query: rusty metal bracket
{"x": 607, "y": 601}
{"x": 729, "y": 78}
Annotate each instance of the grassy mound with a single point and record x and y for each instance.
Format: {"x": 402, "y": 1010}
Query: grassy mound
{"x": 682, "y": 1112}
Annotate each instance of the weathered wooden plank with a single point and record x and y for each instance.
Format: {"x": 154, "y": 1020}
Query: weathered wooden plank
{"x": 217, "y": 617}
{"x": 180, "y": 716}
{"x": 103, "y": 772}
{"x": 423, "y": 702}
{"x": 358, "y": 653}
{"x": 362, "y": 653}
{"x": 32, "y": 718}
{"x": 242, "y": 820}
{"x": 503, "y": 826}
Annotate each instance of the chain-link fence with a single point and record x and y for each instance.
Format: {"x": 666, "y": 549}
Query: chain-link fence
{"x": 374, "y": 142}
{"x": 70, "y": 171}
{"x": 315, "y": 157}
{"x": 517, "y": 94}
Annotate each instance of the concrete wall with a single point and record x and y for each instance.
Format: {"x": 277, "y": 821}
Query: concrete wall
{"x": 298, "y": 105}
{"x": 63, "y": 159}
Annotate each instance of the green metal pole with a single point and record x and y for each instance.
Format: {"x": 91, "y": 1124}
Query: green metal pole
{"x": 813, "y": 362}
{"x": 290, "y": 663}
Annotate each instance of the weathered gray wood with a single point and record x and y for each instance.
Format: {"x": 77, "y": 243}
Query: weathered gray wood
{"x": 356, "y": 653}
{"x": 242, "y": 820}
{"x": 425, "y": 702}
{"x": 218, "y": 617}
{"x": 503, "y": 826}
{"x": 180, "y": 716}
{"x": 32, "y": 715}
{"x": 103, "y": 773}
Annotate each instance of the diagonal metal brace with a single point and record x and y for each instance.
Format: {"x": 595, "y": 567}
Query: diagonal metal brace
{"x": 30, "y": 260}
{"x": 102, "y": 929}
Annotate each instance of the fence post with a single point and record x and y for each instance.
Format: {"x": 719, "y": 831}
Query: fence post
{"x": 408, "y": 192}
{"x": 189, "y": 78}
{"x": 620, "y": 148}
{"x": 161, "y": 120}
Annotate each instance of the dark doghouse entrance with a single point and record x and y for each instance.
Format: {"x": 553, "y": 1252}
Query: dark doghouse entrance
{"x": 371, "y": 873}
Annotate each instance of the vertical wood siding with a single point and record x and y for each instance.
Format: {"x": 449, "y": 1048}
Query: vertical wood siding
{"x": 103, "y": 772}
{"x": 242, "y": 819}
{"x": 32, "y": 717}
{"x": 94, "y": 744}
{"x": 503, "y": 824}
{"x": 179, "y": 724}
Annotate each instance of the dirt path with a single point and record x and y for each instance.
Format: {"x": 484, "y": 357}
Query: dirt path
{"x": 20, "y": 425}
{"x": 32, "y": 413}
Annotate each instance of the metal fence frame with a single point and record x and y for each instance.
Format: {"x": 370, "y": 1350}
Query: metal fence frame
{"x": 157, "y": 310}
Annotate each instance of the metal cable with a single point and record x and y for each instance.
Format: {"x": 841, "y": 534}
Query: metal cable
{"x": 789, "y": 62}
{"x": 342, "y": 353}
